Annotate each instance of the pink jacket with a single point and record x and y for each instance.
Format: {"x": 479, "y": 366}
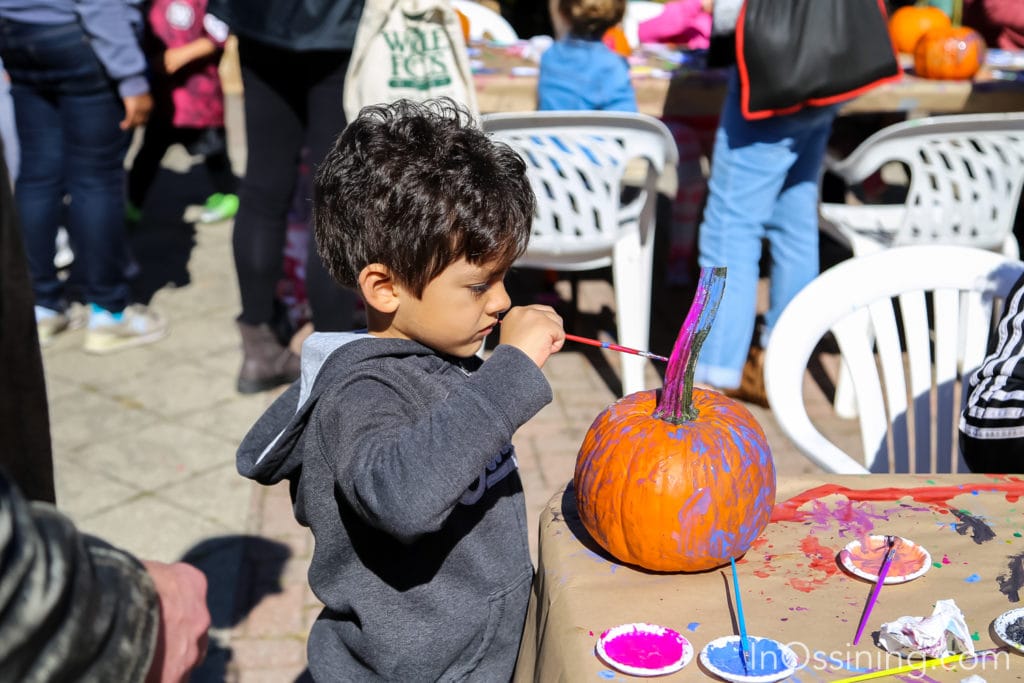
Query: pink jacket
{"x": 195, "y": 89}
{"x": 683, "y": 22}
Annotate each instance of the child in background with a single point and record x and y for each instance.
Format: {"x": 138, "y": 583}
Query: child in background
{"x": 579, "y": 72}
{"x": 398, "y": 441}
{"x": 184, "y": 45}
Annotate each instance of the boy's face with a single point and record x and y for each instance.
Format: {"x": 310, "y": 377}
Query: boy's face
{"x": 457, "y": 310}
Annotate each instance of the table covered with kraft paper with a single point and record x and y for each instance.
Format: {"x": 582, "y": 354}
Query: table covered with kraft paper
{"x": 792, "y": 587}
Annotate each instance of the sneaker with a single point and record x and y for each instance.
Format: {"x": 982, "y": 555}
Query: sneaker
{"x": 221, "y": 210}
{"x": 110, "y": 332}
{"x": 49, "y": 323}
{"x": 63, "y": 257}
{"x": 132, "y": 213}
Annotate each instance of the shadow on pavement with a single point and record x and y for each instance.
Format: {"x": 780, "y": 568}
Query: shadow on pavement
{"x": 240, "y": 571}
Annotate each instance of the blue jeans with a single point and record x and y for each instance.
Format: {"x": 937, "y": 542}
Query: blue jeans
{"x": 67, "y": 112}
{"x": 764, "y": 184}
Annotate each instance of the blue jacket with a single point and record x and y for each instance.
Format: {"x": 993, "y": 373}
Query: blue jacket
{"x": 581, "y": 75}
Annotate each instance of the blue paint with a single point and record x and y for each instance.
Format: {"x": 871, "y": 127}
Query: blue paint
{"x": 765, "y": 657}
{"x": 606, "y": 674}
{"x": 693, "y": 626}
{"x": 973, "y": 578}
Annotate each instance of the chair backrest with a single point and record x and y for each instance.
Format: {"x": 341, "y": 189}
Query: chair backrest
{"x": 966, "y": 174}
{"x": 907, "y": 361}
{"x": 576, "y": 162}
{"x": 485, "y": 23}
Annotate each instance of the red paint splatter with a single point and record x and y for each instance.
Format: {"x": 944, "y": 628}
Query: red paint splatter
{"x": 822, "y": 561}
{"x": 938, "y": 496}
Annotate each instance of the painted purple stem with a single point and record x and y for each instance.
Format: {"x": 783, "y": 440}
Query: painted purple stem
{"x": 676, "y": 402}
{"x": 889, "y": 555}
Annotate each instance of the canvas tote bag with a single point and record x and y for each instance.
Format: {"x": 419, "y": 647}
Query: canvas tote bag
{"x": 410, "y": 49}
{"x": 796, "y": 53}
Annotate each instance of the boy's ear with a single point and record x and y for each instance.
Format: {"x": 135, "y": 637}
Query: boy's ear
{"x": 378, "y": 287}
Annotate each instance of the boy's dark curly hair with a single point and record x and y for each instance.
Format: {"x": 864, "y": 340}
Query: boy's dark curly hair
{"x": 416, "y": 186}
{"x": 589, "y": 19}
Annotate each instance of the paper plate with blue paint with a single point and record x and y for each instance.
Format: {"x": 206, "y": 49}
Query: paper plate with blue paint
{"x": 770, "y": 660}
{"x": 644, "y": 649}
{"x": 1009, "y": 626}
{"x": 864, "y": 557}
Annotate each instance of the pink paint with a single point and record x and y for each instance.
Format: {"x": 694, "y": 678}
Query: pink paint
{"x": 869, "y": 554}
{"x": 645, "y": 649}
{"x": 946, "y": 560}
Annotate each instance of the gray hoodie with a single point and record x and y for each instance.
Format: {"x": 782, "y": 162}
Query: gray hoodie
{"x": 401, "y": 463}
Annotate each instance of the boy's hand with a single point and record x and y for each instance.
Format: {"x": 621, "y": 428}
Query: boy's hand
{"x": 184, "y": 621}
{"x": 535, "y": 330}
{"x": 175, "y": 58}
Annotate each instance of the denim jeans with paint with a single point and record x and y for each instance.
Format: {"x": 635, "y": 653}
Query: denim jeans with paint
{"x": 764, "y": 184}
{"x": 67, "y": 112}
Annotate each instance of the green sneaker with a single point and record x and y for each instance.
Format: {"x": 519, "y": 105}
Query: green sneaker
{"x": 224, "y": 210}
{"x": 132, "y": 213}
{"x": 213, "y": 200}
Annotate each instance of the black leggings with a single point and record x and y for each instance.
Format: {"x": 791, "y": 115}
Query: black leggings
{"x": 159, "y": 135}
{"x": 292, "y": 99}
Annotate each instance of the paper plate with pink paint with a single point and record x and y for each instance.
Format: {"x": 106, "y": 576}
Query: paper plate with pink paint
{"x": 864, "y": 558}
{"x": 644, "y": 649}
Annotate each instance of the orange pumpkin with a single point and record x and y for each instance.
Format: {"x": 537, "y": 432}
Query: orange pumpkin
{"x": 908, "y": 24}
{"x": 951, "y": 53}
{"x": 681, "y": 479}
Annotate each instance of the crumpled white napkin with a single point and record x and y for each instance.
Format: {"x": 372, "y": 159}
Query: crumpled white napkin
{"x": 942, "y": 634}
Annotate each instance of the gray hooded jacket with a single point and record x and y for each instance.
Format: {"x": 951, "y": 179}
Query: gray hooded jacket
{"x": 401, "y": 463}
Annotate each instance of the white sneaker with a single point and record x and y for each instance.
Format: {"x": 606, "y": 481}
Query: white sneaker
{"x": 134, "y": 326}
{"x": 64, "y": 257}
{"x": 49, "y": 323}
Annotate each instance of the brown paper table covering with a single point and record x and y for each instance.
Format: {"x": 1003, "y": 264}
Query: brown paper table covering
{"x": 793, "y": 590}
{"x": 693, "y": 93}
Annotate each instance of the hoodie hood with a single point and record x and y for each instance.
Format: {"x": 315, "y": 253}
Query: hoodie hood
{"x": 268, "y": 453}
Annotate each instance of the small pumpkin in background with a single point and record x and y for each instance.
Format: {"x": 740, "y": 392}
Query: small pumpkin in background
{"x": 907, "y": 24}
{"x": 951, "y": 53}
{"x": 680, "y": 480}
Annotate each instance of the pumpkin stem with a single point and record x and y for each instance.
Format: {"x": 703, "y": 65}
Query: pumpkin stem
{"x": 676, "y": 402}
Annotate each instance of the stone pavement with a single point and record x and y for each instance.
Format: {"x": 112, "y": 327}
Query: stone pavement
{"x": 144, "y": 440}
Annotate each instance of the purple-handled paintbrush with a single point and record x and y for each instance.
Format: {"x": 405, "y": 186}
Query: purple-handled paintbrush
{"x": 889, "y": 555}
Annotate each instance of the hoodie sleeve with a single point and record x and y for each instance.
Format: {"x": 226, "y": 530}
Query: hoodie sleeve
{"x": 112, "y": 26}
{"x": 406, "y": 474}
{"x": 71, "y": 606}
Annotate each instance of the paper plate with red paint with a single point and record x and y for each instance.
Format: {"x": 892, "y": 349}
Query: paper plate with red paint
{"x": 864, "y": 557}
{"x": 644, "y": 649}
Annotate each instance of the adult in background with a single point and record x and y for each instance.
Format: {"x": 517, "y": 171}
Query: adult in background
{"x": 71, "y": 606}
{"x": 293, "y": 59}
{"x": 763, "y": 185}
{"x": 79, "y": 88}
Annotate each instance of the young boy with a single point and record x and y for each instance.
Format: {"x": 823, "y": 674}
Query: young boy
{"x": 397, "y": 442}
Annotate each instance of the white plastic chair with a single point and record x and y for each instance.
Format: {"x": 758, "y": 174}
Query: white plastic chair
{"x": 966, "y": 174}
{"x": 485, "y": 23}
{"x": 576, "y": 162}
{"x": 906, "y": 392}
